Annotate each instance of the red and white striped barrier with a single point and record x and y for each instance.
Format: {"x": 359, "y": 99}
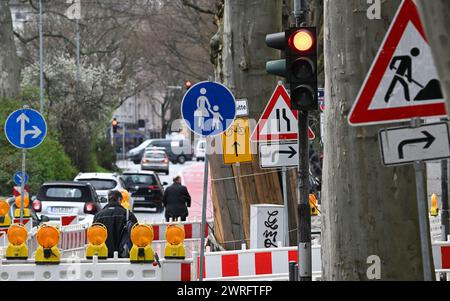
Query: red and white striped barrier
{"x": 192, "y": 229}
{"x": 235, "y": 265}
{"x": 3, "y": 237}
{"x": 441, "y": 255}
{"x": 176, "y": 270}
{"x": 73, "y": 237}
{"x": 69, "y": 220}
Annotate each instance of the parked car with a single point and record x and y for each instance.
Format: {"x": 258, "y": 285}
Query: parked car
{"x": 145, "y": 188}
{"x": 103, "y": 183}
{"x": 200, "y": 150}
{"x": 136, "y": 153}
{"x": 155, "y": 159}
{"x": 56, "y": 199}
{"x": 178, "y": 150}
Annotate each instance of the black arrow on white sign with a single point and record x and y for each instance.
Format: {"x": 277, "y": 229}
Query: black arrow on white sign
{"x": 291, "y": 152}
{"x": 429, "y": 139}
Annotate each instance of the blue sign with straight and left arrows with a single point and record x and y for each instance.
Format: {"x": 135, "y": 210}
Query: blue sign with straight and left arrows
{"x": 25, "y": 128}
{"x": 209, "y": 108}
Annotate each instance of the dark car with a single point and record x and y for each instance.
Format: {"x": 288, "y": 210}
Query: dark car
{"x": 56, "y": 199}
{"x": 145, "y": 188}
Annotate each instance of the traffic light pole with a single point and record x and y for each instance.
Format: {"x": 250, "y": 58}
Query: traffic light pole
{"x": 304, "y": 212}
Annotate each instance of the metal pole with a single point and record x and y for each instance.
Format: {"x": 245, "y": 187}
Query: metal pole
{"x": 286, "y": 207}
{"x": 77, "y": 22}
{"x": 292, "y": 267}
{"x": 205, "y": 193}
{"x": 419, "y": 168}
{"x": 444, "y": 212}
{"x": 22, "y": 186}
{"x": 304, "y": 211}
{"x": 123, "y": 141}
{"x": 41, "y": 61}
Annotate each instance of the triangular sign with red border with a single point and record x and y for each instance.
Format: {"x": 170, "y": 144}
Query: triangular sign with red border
{"x": 402, "y": 83}
{"x": 278, "y": 121}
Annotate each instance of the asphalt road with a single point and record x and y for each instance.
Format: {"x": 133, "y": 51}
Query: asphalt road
{"x": 192, "y": 177}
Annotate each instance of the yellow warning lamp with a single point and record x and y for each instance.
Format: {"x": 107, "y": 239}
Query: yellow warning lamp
{"x": 17, "y": 237}
{"x": 97, "y": 235}
{"x": 125, "y": 199}
{"x": 313, "y": 204}
{"x": 47, "y": 252}
{"x": 434, "y": 210}
{"x": 175, "y": 237}
{"x": 142, "y": 238}
{"x": 26, "y": 210}
{"x": 5, "y": 219}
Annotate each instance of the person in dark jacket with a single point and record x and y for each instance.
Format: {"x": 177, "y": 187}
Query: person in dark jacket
{"x": 176, "y": 199}
{"x": 114, "y": 217}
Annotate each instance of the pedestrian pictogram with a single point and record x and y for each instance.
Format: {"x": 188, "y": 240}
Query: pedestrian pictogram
{"x": 208, "y": 108}
{"x": 25, "y": 128}
{"x": 236, "y": 143}
{"x": 403, "y": 81}
{"x": 278, "y": 121}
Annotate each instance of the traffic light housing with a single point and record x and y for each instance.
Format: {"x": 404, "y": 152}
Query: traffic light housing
{"x": 115, "y": 125}
{"x": 188, "y": 84}
{"x": 301, "y": 67}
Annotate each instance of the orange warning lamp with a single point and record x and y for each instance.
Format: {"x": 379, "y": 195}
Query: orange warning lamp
{"x": 125, "y": 199}
{"x": 175, "y": 237}
{"x": 434, "y": 210}
{"x": 17, "y": 237}
{"x": 142, "y": 238}
{"x": 5, "y": 219}
{"x": 47, "y": 252}
{"x": 26, "y": 203}
{"x": 97, "y": 235}
{"x": 313, "y": 204}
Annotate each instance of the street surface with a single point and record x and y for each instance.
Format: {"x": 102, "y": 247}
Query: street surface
{"x": 192, "y": 176}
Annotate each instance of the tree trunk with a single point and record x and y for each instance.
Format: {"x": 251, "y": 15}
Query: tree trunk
{"x": 9, "y": 62}
{"x": 367, "y": 209}
{"x": 240, "y": 65}
{"x": 436, "y": 20}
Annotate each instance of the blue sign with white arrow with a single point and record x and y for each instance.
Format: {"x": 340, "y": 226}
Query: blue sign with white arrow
{"x": 25, "y": 128}
{"x": 208, "y": 108}
{"x": 18, "y": 178}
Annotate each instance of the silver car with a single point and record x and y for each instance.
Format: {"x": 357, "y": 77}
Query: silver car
{"x": 155, "y": 159}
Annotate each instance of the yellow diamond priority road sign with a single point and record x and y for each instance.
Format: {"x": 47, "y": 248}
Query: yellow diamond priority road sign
{"x": 236, "y": 143}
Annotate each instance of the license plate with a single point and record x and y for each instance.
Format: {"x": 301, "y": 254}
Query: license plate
{"x": 61, "y": 210}
{"x": 139, "y": 198}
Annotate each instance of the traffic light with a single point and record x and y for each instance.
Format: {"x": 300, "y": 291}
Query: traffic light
{"x": 188, "y": 84}
{"x": 115, "y": 125}
{"x": 301, "y": 62}
{"x": 299, "y": 67}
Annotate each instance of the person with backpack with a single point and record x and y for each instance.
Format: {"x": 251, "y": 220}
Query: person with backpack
{"x": 118, "y": 221}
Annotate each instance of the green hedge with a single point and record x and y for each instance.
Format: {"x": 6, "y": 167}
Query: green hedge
{"x": 47, "y": 162}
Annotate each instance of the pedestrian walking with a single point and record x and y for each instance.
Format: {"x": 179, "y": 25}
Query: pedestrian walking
{"x": 176, "y": 200}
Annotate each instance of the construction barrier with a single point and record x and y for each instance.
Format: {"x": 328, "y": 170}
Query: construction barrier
{"x": 76, "y": 269}
{"x": 192, "y": 229}
{"x": 262, "y": 264}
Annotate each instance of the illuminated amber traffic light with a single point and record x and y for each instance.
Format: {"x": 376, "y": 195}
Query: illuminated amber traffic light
{"x": 115, "y": 125}
{"x": 175, "y": 237}
{"x": 47, "y": 252}
{"x": 142, "y": 238}
{"x": 97, "y": 235}
{"x": 301, "y": 40}
{"x": 17, "y": 238}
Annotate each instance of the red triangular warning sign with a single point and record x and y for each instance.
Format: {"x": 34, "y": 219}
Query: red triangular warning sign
{"x": 403, "y": 82}
{"x": 278, "y": 121}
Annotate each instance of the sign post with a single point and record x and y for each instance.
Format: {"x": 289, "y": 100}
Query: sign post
{"x": 25, "y": 129}
{"x": 209, "y": 109}
{"x": 403, "y": 85}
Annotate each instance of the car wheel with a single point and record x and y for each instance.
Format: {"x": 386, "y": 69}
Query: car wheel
{"x": 181, "y": 159}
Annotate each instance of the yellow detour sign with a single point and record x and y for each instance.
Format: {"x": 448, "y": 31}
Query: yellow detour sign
{"x": 236, "y": 143}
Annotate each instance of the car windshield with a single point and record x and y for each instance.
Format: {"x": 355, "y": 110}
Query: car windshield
{"x": 100, "y": 184}
{"x": 139, "y": 179}
{"x": 61, "y": 193}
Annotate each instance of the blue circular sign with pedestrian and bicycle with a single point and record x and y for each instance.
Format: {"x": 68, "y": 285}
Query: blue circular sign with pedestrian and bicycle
{"x": 208, "y": 108}
{"x": 25, "y": 128}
